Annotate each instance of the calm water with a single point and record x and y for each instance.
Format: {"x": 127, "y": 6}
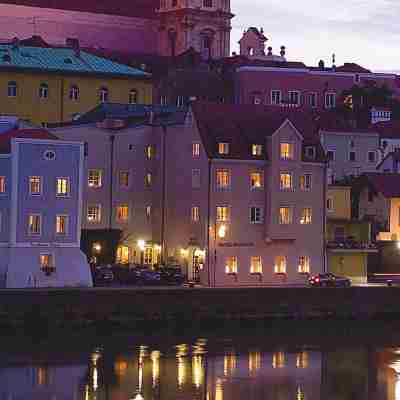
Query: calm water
{"x": 326, "y": 363}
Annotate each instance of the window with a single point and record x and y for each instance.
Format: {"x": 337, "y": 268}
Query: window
{"x": 304, "y": 265}
{"x": 302, "y": 360}
{"x": 133, "y": 96}
{"x": 207, "y": 3}
{"x": 278, "y": 360}
{"x": 196, "y": 150}
{"x": 124, "y": 179}
{"x": 310, "y": 152}
{"x": 196, "y": 179}
{"x": 276, "y": 97}
{"x": 313, "y": 100}
{"x": 163, "y": 100}
{"x": 103, "y": 95}
{"x": 95, "y": 178}
{"x": 285, "y": 215}
{"x": 306, "y": 182}
{"x": 330, "y": 100}
{"x": 223, "y": 179}
{"x": 280, "y": 265}
{"x": 398, "y": 221}
{"x": 94, "y": 213}
{"x": 287, "y": 151}
{"x": 195, "y": 214}
{"x": 122, "y": 213}
{"x": 294, "y": 97}
{"x": 256, "y": 99}
{"x": 2, "y": 184}
{"x": 330, "y": 154}
{"x": 339, "y": 233}
{"x": 12, "y": 89}
{"x": 256, "y": 215}
{"x": 255, "y": 265}
{"x": 231, "y": 266}
{"x": 371, "y": 156}
{"x": 1, "y": 221}
{"x": 35, "y": 224}
{"x": 74, "y": 93}
{"x": 223, "y": 214}
{"x": 63, "y": 187}
{"x": 180, "y": 101}
{"x": 85, "y": 149}
{"x": 286, "y": 181}
{"x": 370, "y": 195}
{"x": 306, "y": 216}
{"x": 43, "y": 91}
{"x": 131, "y": 147}
{"x": 148, "y": 212}
{"x": 352, "y": 156}
{"x": 62, "y": 224}
{"x": 35, "y": 185}
{"x": 148, "y": 256}
{"x": 223, "y": 148}
{"x": 148, "y": 179}
{"x": 329, "y": 204}
{"x": 256, "y": 181}
{"x": 256, "y": 150}
{"x": 46, "y": 261}
{"x": 149, "y": 151}
{"x": 357, "y": 78}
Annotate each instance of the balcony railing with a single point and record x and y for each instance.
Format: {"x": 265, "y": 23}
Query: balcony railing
{"x": 350, "y": 245}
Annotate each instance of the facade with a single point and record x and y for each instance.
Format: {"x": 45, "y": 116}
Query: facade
{"x": 348, "y": 240}
{"x": 234, "y": 206}
{"x": 166, "y": 28}
{"x": 389, "y": 133}
{"x": 40, "y": 212}
{"x": 390, "y": 163}
{"x": 44, "y": 85}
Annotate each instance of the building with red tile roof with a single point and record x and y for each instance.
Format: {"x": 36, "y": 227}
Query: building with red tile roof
{"x": 7, "y": 137}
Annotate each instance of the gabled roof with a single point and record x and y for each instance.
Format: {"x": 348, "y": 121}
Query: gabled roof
{"x": 126, "y": 8}
{"x": 352, "y": 68}
{"x": 388, "y": 129}
{"x": 244, "y": 125}
{"x": 66, "y": 60}
{"x": 388, "y": 184}
{"x": 6, "y": 138}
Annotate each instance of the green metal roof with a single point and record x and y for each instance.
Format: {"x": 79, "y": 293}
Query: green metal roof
{"x": 65, "y": 60}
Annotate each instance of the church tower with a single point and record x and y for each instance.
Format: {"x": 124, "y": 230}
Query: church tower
{"x": 204, "y": 25}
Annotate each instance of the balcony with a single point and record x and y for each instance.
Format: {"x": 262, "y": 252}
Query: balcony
{"x": 351, "y": 245}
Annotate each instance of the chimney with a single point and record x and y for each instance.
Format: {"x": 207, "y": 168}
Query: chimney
{"x": 73, "y": 43}
{"x": 270, "y": 51}
{"x": 321, "y": 64}
{"x": 283, "y": 51}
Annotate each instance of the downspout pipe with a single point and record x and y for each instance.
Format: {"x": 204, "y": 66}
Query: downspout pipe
{"x": 112, "y": 140}
{"x": 209, "y": 224}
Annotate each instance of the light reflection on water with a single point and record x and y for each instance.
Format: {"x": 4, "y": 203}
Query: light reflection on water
{"x": 200, "y": 370}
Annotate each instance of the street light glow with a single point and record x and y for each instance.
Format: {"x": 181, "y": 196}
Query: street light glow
{"x": 142, "y": 244}
{"x": 97, "y": 247}
{"x": 222, "y": 231}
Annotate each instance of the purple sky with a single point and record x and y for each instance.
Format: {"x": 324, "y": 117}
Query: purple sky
{"x": 362, "y": 31}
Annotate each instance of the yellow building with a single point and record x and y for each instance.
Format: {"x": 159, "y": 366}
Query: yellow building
{"x": 47, "y": 85}
{"x": 348, "y": 240}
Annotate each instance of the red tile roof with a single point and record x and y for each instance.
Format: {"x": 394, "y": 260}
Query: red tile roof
{"x": 6, "y": 138}
{"x": 127, "y": 8}
{"x": 388, "y": 130}
{"x": 387, "y": 183}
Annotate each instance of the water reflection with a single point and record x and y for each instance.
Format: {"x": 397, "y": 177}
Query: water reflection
{"x": 202, "y": 370}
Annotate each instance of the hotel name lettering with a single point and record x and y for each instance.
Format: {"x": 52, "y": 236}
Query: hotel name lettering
{"x": 234, "y": 244}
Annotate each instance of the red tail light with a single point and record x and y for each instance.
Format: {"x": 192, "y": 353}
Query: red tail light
{"x": 316, "y": 279}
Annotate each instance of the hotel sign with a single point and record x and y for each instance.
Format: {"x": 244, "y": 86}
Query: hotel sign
{"x": 235, "y": 244}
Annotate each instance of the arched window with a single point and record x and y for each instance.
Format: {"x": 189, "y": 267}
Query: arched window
{"x": 103, "y": 95}
{"x": 12, "y": 89}
{"x": 74, "y": 92}
{"x": 133, "y": 96}
{"x": 44, "y": 91}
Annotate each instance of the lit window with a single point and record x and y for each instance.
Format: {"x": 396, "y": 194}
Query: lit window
{"x": 103, "y": 95}
{"x": 43, "y": 91}
{"x": 148, "y": 256}
{"x": 2, "y": 184}
{"x": 304, "y": 265}
{"x": 62, "y": 224}
{"x": 256, "y": 149}
{"x": 302, "y": 360}
{"x": 294, "y": 97}
{"x": 63, "y": 187}
{"x": 196, "y": 179}
{"x": 46, "y": 261}
{"x": 306, "y": 182}
{"x": 223, "y": 148}
{"x": 148, "y": 179}
{"x": 330, "y": 100}
{"x": 35, "y": 224}
{"x": 231, "y": 266}
{"x": 124, "y": 179}
{"x": 256, "y": 215}
{"x": 254, "y": 361}
{"x": 74, "y": 93}
{"x": 329, "y": 204}
{"x": 256, "y": 180}
{"x": 12, "y": 89}
{"x": 278, "y": 360}
{"x": 229, "y": 368}
{"x": 94, "y": 213}
{"x": 133, "y": 96}
{"x": 195, "y": 214}
{"x": 95, "y": 178}
{"x": 286, "y": 182}
{"x": 223, "y": 214}
{"x": 276, "y": 97}
{"x": 285, "y": 215}
{"x": 223, "y": 178}
{"x": 256, "y": 265}
{"x": 123, "y": 213}
{"x": 148, "y": 212}
{"x": 149, "y": 152}
{"x": 306, "y": 216}
{"x": 280, "y": 265}
{"x": 287, "y": 151}
{"x": 196, "y": 150}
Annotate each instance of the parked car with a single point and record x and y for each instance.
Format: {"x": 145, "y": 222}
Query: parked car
{"x": 148, "y": 277}
{"x": 103, "y": 275}
{"x": 172, "y": 275}
{"x": 125, "y": 275}
{"x": 328, "y": 279}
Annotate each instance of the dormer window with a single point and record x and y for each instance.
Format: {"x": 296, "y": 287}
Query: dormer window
{"x": 310, "y": 152}
{"x": 256, "y": 150}
{"x": 223, "y": 148}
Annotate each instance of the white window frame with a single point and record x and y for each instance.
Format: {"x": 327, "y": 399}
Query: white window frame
{"x": 12, "y": 89}
{"x": 40, "y": 224}
{"x": 301, "y": 216}
{"x": 313, "y": 103}
{"x": 256, "y": 150}
{"x": 100, "y": 178}
{"x": 330, "y": 100}
{"x": 223, "y": 148}
{"x": 164, "y": 100}
{"x": 329, "y": 200}
{"x": 3, "y": 185}
{"x": 256, "y": 221}
{"x": 180, "y": 101}
{"x": 66, "y": 216}
{"x": 304, "y": 187}
{"x": 273, "y": 97}
{"x": 43, "y": 91}
{"x": 298, "y": 93}
{"x": 98, "y": 220}
{"x": 147, "y": 211}
{"x": 74, "y": 93}
{"x": 333, "y": 153}
{"x": 196, "y": 150}
{"x": 283, "y": 189}
{"x": 220, "y": 187}
{"x": 228, "y": 213}
{"x": 68, "y": 193}
{"x": 148, "y": 180}
{"x": 195, "y": 214}
{"x": 104, "y": 95}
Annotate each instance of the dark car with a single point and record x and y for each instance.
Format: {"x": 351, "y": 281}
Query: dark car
{"x": 328, "y": 279}
{"x": 148, "y": 277}
{"x": 171, "y": 275}
{"x": 103, "y": 276}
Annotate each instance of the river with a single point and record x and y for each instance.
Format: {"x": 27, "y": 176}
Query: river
{"x": 275, "y": 361}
